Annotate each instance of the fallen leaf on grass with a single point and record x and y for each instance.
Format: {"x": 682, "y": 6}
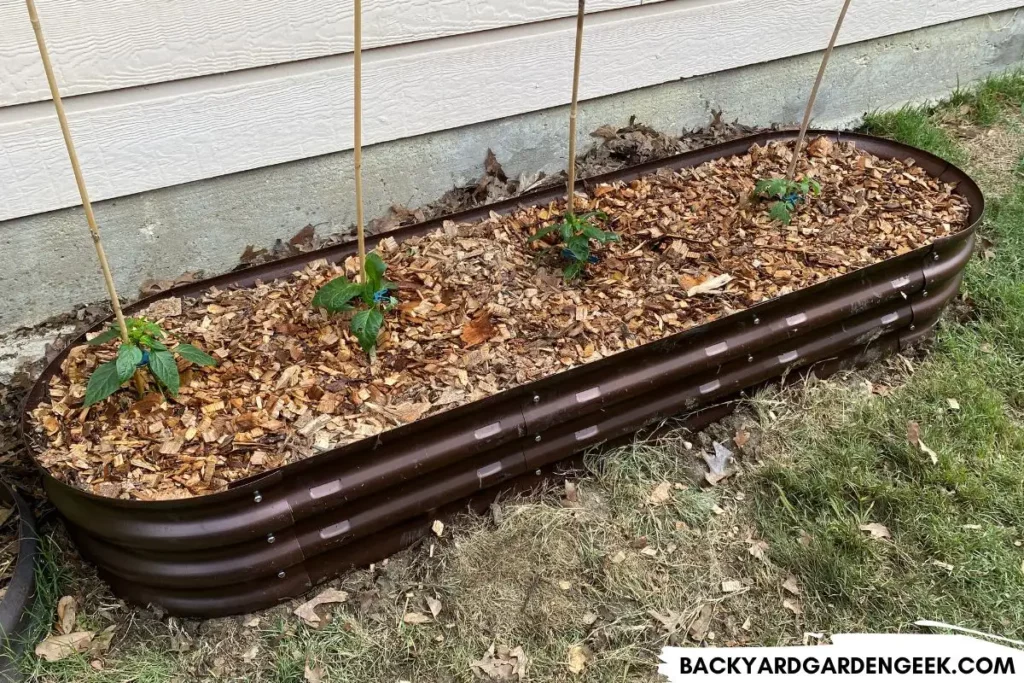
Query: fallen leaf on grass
{"x": 312, "y": 674}
{"x": 307, "y": 610}
{"x": 501, "y": 665}
{"x": 66, "y": 614}
{"x": 251, "y": 653}
{"x": 56, "y": 647}
{"x": 671, "y": 620}
{"x": 790, "y": 585}
{"x": 661, "y": 494}
{"x": 570, "y": 492}
{"x": 953, "y": 404}
{"x": 741, "y": 438}
{"x": 914, "y": 436}
{"x": 579, "y": 656}
{"x": 718, "y": 464}
{"x": 5, "y": 513}
{"x": 437, "y": 527}
{"x": 757, "y": 548}
{"x": 101, "y": 642}
{"x": 434, "y": 605}
{"x": 876, "y": 530}
{"x": 793, "y": 605}
{"x": 699, "y": 628}
{"x": 416, "y": 618}
{"x": 732, "y": 586}
{"x": 943, "y": 565}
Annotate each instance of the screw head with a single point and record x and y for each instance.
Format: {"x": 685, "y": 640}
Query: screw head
{"x": 750, "y": 359}
{"x": 913, "y": 327}
{"x": 270, "y": 538}
{"x": 935, "y": 257}
{"x": 757, "y": 321}
{"x": 281, "y": 574}
{"x": 537, "y": 438}
{"x": 537, "y": 472}
{"x": 257, "y": 497}
{"x": 924, "y": 293}
{"x": 536, "y": 398}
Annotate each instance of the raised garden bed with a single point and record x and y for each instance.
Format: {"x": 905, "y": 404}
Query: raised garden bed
{"x": 19, "y": 549}
{"x": 258, "y": 529}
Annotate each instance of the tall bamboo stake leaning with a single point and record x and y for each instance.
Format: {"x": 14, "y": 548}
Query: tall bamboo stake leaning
{"x": 572, "y": 109}
{"x": 814, "y": 92}
{"x": 90, "y": 218}
{"x": 357, "y": 136}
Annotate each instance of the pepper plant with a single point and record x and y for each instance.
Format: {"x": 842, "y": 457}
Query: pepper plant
{"x": 374, "y": 293}
{"x": 787, "y": 193}
{"x": 575, "y": 233}
{"x": 145, "y": 348}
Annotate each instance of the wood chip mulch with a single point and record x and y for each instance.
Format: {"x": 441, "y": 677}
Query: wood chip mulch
{"x": 481, "y": 311}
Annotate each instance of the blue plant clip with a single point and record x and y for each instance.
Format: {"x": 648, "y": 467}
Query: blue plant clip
{"x": 792, "y": 200}
{"x": 380, "y": 296}
{"x": 145, "y": 360}
{"x": 568, "y": 255}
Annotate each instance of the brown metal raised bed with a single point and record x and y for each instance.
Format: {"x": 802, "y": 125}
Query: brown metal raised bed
{"x": 15, "y": 606}
{"x": 273, "y": 536}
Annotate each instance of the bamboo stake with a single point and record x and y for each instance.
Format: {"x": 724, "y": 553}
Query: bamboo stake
{"x": 572, "y": 109}
{"x": 814, "y": 92}
{"x": 357, "y": 62}
{"x": 90, "y": 218}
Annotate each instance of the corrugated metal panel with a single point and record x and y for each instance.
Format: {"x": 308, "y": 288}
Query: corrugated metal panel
{"x": 273, "y": 536}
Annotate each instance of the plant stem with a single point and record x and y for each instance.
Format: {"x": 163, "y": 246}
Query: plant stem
{"x": 791, "y": 174}
{"x": 357, "y": 133}
{"x": 90, "y": 218}
{"x": 572, "y": 108}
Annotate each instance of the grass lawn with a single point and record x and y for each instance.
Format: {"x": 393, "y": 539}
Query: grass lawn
{"x": 588, "y": 582}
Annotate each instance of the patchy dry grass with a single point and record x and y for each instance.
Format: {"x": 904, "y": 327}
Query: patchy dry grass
{"x": 637, "y": 554}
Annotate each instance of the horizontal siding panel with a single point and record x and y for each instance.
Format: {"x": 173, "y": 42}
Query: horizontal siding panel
{"x": 98, "y": 45}
{"x": 141, "y": 139}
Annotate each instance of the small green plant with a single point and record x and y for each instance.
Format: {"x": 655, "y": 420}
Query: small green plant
{"x": 787, "y": 193}
{"x": 145, "y": 348}
{"x": 575, "y": 233}
{"x": 375, "y": 292}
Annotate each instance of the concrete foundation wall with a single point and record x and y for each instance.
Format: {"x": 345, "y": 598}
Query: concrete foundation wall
{"x": 207, "y": 224}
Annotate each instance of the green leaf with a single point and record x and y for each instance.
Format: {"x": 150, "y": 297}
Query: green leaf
{"x": 542, "y": 233}
{"x": 375, "y": 268}
{"x": 104, "y": 337}
{"x": 574, "y": 270}
{"x": 141, "y": 326}
{"x": 780, "y": 212}
{"x": 128, "y": 356}
{"x": 599, "y": 235}
{"x": 567, "y": 229}
{"x": 772, "y": 187}
{"x": 815, "y": 186}
{"x": 104, "y": 381}
{"x": 580, "y": 248}
{"x": 601, "y": 215}
{"x": 194, "y": 355}
{"x": 366, "y": 326}
{"x": 337, "y": 294}
{"x": 163, "y": 367}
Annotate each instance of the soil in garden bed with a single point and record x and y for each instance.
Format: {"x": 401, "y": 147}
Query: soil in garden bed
{"x": 481, "y": 310}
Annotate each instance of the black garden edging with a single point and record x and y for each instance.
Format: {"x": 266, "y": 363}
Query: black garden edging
{"x": 15, "y": 605}
{"x": 273, "y": 536}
